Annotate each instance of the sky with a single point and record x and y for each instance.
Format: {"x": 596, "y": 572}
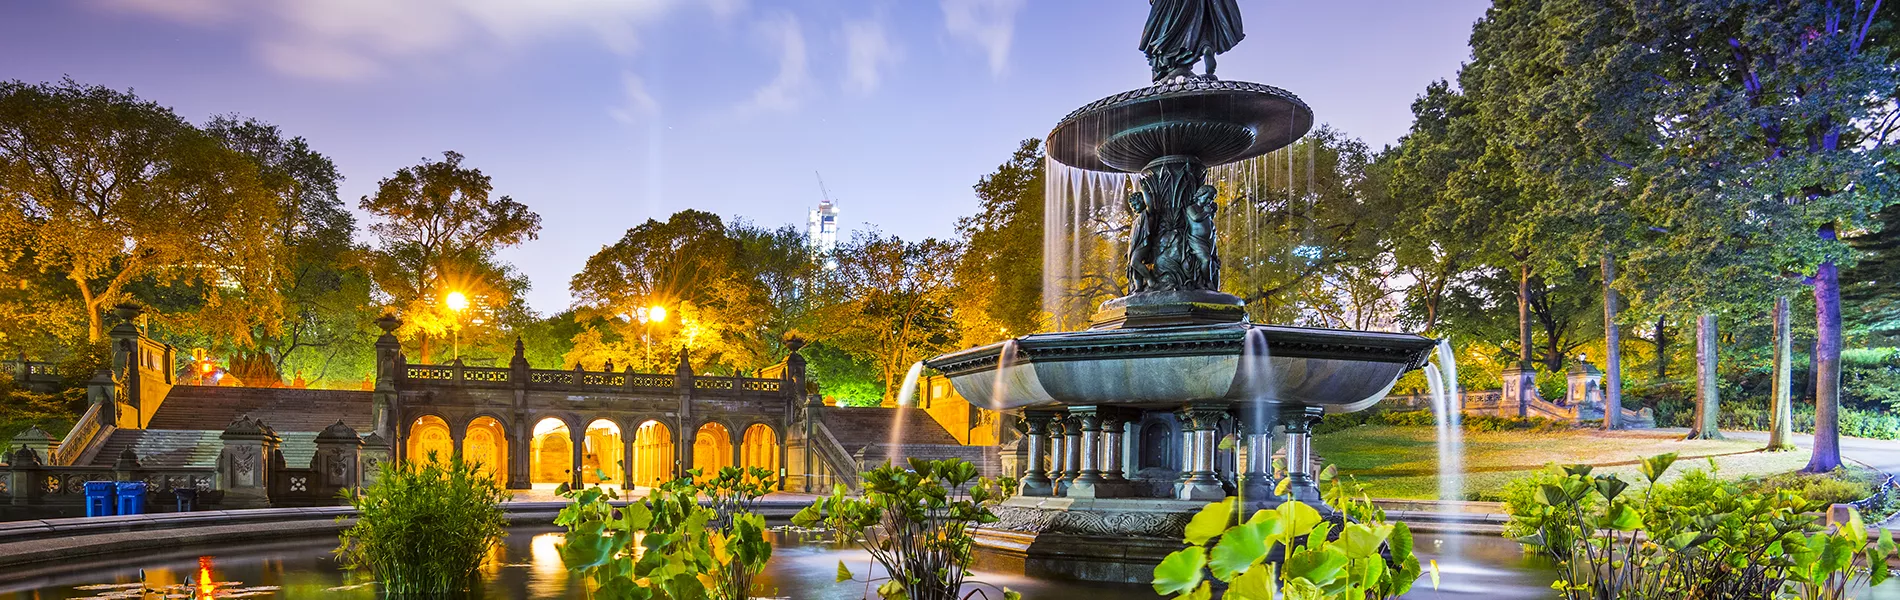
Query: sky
{"x": 601, "y": 114}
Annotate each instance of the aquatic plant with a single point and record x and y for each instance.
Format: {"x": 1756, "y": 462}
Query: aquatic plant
{"x": 914, "y": 524}
{"x": 668, "y": 545}
{"x": 1697, "y": 537}
{"x": 424, "y": 528}
{"x": 1360, "y": 556}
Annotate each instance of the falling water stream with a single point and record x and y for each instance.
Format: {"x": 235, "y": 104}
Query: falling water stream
{"x": 1442, "y": 377}
{"x": 906, "y": 401}
{"x": 1256, "y": 371}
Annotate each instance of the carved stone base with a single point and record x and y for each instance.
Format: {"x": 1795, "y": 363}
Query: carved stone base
{"x": 1087, "y": 539}
{"x": 1164, "y": 309}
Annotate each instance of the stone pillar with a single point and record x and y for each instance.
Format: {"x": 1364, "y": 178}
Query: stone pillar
{"x": 577, "y": 451}
{"x": 37, "y": 440}
{"x": 375, "y": 452}
{"x": 1200, "y": 482}
{"x": 1520, "y": 390}
{"x": 125, "y": 366}
{"x": 1058, "y": 452}
{"x": 1088, "y": 481}
{"x": 389, "y": 370}
{"x": 1114, "y": 422}
{"x": 244, "y": 463}
{"x": 628, "y": 456}
{"x": 1302, "y": 485}
{"x": 1583, "y": 389}
{"x": 1035, "y": 481}
{"x": 1257, "y": 421}
{"x": 520, "y": 453}
{"x": 339, "y": 460}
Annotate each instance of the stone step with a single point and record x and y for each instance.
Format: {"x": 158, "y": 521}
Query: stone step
{"x": 190, "y": 407}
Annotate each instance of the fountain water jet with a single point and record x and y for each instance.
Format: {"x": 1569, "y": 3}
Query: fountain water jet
{"x": 906, "y": 401}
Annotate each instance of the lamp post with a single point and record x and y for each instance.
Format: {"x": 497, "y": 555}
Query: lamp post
{"x": 645, "y": 315}
{"x": 456, "y": 302}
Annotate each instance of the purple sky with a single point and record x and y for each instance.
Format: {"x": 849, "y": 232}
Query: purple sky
{"x": 600, "y": 114}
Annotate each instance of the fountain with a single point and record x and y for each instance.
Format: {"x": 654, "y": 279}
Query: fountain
{"x": 1165, "y": 372}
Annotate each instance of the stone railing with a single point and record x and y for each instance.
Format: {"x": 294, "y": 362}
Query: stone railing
{"x": 839, "y": 466}
{"x": 86, "y": 432}
{"x": 66, "y": 485}
{"x": 584, "y": 381}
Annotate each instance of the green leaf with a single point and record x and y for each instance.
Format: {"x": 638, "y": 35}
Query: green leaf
{"x": 1009, "y": 594}
{"x": 1578, "y": 470}
{"x": 1255, "y": 584}
{"x": 1623, "y": 518}
{"x": 1654, "y": 466}
{"x": 1301, "y": 589}
{"x": 1400, "y": 541}
{"x": 1210, "y": 522}
{"x": 1180, "y": 571}
{"x": 1360, "y": 541}
{"x": 1238, "y": 549}
{"x": 844, "y": 573}
{"x": 1204, "y": 592}
{"x": 1610, "y": 487}
{"x": 1299, "y": 518}
{"x": 1317, "y": 565}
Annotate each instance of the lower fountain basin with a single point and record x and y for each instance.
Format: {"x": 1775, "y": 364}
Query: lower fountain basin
{"x": 1164, "y": 367}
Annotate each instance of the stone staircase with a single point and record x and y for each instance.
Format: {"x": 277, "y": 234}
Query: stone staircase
{"x": 191, "y": 407}
{"x": 866, "y": 434}
{"x": 188, "y": 448}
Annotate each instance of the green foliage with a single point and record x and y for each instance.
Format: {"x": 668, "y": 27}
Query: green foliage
{"x": 851, "y": 380}
{"x": 1698, "y": 537}
{"x": 1841, "y": 486}
{"x": 914, "y": 524}
{"x": 669, "y": 546}
{"x": 423, "y": 529}
{"x": 1324, "y": 558}
{"x": 995, "y": 294}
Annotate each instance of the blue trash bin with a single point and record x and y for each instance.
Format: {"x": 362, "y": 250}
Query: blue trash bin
{"x": 131, "y": 497}
{"x": 187, "y": 499}
{"x": 99, "y": 502}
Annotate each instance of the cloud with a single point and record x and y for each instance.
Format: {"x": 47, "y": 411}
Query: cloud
{"x": 639, "y": 102}
{"x": 868, "y": 50}
{"x": 793, "y": 84}
{"x": 358, "y": 39}
{"x": 989, "y": 24}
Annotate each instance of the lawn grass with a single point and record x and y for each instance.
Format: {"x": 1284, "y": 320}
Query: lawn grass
{"x": 1402, "y": 462}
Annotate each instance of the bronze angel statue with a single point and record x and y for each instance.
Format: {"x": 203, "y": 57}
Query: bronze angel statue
{"x": 1182, "y": 32}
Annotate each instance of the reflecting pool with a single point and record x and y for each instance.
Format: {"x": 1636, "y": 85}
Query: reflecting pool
{"x": 529, "y": 566}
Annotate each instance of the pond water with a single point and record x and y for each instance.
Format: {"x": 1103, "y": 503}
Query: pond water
{"x": 529, "y": 566}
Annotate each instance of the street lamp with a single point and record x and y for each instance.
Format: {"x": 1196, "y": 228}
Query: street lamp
{"x": 456, "y": 302}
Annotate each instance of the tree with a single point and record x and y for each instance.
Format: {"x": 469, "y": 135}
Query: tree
{"x": 437, "y": 231}
{"x": 106, "y": 189}
{"x": 890, "y": 301}
{"x": 1443, "y": 239}
{"x": 996, "y": 296}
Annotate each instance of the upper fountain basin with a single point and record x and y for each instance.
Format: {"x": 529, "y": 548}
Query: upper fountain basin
{"x": 1165, "y": 367}
{"x": 1215, "y": 122}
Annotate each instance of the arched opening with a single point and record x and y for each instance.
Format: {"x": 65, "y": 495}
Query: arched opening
{"x": 760, "y": 448}
{"x": 486, "y": 446}
{"x": 552, "y": 457}
{"x": 429, "y": 440}
{"x": 712, "y": 449}
{"x": 653, "y": 454}
{"x": 1157, "y": 446}
{"x": 602, "y": 457}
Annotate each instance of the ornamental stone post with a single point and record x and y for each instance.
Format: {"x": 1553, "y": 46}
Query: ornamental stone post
{"x": 338, "y": 461}
{"x": 370, "y": 458}
{"x": 389, "y": 370}
{"x": 1200, "y": 483}
{"x": 23, "y": 476}
{"x": 1035, "y": 481}
{"x": 127, "y": 467}
{"x": 34, "y": 438}
{"x": 1071, "y": 451}
{"x": 244, "y": 464}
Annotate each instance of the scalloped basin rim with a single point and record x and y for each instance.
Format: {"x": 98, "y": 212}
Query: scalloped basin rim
{"x": 1340, "y": 370}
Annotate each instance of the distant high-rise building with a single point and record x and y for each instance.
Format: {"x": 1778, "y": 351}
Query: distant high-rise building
{"x": 822, "y": 228}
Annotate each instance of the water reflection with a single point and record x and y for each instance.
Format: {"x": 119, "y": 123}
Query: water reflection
{"x": 528, "y": 565}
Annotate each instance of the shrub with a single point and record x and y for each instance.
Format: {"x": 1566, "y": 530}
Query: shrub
{"x": 1425, "y": 418}
{"x": 424, "y": 529}
{"x": 668, "y": 545}
{"x": 1698, "y": 537}
{"x": 1837, "y": 487}
{"x": 914, "y": 524}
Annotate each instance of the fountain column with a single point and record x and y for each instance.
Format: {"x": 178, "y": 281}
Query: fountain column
{"x": 1035, "y": 480}
{"x": 1113, "y": 423}
{"x": 1301, "y": 485}
{"x": 1089, "y": 482}
{"x": 1059, "y": 453}
{"x": 1257, "y": 420}
{"x": 1071, "y": 450}
{"x": 1200, "y": 483}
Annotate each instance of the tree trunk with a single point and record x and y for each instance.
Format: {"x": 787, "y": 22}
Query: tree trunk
{"x": 1781, "y": 400}
{"x": 1807, "y": 376}
{"x": 1708, "y": 406}
{"x": 1524, "y": 315}
{"x": 1662, "y": 350}
{"x": 1612, "y": 350}
{"x": 95, "y": 329}
{"x": 1827, "y": 367}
